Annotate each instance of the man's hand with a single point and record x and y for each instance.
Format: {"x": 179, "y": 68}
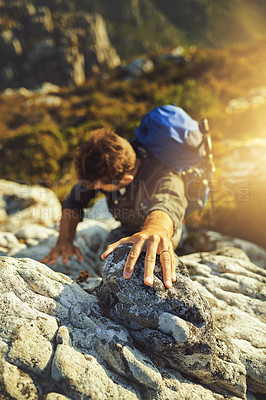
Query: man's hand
{"x": 63, "y": 249}
{"x": 155, "y": 238}
{"x": 64, "y": 246}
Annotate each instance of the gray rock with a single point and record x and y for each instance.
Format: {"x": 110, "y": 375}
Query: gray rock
{"x": 175, "y": 324}
{"x": 9, "y": 242}
{"x": 255, "y": 97}
{"x": 30, "y": 224}
{"x": 90, "y": 238}
{"x": 64, "y": 47}
{"x": 235, "y": 290}
{"x": 138, "y": 67}
{"x": 48, "y": 329}
{"x": 40, "y": 23}
{"x": 17, "y": 384}
{"x": 31, "y": 349}
{"x": 54, "y": 334}
{"x": 33, "y": 232}
{"x": 211, "y": 240}
{"x": 91, "y": 285}
{"x": 24, "y": 203}
{"x": 56, "y": 396}
{"x": 176, "y": 56}
{"x": 10, "y": 45}
{"x": 46, "y": 88}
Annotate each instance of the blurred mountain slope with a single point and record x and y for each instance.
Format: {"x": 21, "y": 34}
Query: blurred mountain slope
{"x": 137, "y": 26}
{"x": 65, "y": 42}
{"x": 39, "y": 44}
{"x": 217, "y": 23}
{"x": 134, "y": 26}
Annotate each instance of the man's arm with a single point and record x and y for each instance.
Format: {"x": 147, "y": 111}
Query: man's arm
{"x": 164, "y": 219}
{"x": 155, "y": 238}
{"x": 72, "y": 214}
{"x": 64, "y": 246}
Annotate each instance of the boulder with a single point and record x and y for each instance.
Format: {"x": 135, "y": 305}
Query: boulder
{"x": 204, "y": 338}
{"x": 9, "y": 243}
{"x": 177, "y": 56}
{"x": 174, "y": 326}
{"x": 205, "y": 241}
{"x": 136, "y": 68}
{"x": 48, "y": 329}
{"x": 33, "y": 234}
{"x": 21, "y": 203}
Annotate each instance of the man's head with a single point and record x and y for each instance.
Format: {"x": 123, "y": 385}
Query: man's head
{"x": 105, "y": 158}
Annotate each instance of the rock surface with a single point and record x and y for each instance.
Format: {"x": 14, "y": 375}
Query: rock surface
{"x": 210, "y": 240}
{"x": 59, "y": 342}
{"x": 90, "y": 238}
{"x": 64, "y": 48}
{"x": 29, "y": 225}
{"x": 21, "y": 203}
{"x": 236, "y": 291}
{"x": 134, "y": 341}
{"x": 170, "y": 324}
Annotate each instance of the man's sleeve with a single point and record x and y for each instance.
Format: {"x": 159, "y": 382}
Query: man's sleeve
{"x": 78, "y": 199}
{"x": 169, "y": 195}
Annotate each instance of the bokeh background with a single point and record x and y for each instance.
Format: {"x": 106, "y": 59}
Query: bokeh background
{"x": 67, "y": 67}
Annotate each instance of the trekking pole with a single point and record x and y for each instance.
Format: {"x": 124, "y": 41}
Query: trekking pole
{"x": 210, "y": 167}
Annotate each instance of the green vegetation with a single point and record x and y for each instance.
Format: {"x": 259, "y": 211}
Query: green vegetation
{"x": 33, "y": 154}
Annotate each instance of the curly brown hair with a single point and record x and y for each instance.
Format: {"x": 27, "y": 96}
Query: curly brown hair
{"x": 104, "y": 156}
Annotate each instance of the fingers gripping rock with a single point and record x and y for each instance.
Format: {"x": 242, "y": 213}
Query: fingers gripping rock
{"x": 175, "y": 323}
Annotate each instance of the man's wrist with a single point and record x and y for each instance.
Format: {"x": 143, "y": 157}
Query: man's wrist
{"x": 64, "y": 240}
{"x": 156, "y": 229}
{"x": 159, "y": 222}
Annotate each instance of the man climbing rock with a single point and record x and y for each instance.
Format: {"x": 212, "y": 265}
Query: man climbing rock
{"x": 144, "y": 193}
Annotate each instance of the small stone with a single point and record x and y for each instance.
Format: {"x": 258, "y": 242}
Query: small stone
{"x": 174, "y": 325}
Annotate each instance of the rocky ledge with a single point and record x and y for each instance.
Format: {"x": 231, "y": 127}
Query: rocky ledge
{"x": 203, "y": 339}
{"x": 64, "y": 47}
{"x": 114, "y": 339}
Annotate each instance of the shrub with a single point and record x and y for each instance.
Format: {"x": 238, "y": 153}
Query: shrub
{"x": 197, "y": 99}
{"x": 33, "y": 154}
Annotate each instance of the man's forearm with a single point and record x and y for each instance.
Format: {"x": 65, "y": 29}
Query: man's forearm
{"x": 68, "y": 225}
{"x": 160, "y": 222}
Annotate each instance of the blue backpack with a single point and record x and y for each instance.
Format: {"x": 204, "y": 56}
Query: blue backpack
{"x": 176, "y": 140}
